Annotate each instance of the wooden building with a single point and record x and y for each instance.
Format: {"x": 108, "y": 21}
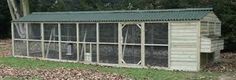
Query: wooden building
{"x": 173, "y": 39}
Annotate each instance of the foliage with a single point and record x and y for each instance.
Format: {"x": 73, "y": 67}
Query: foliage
{"x": 5, "y": 19}
{"x": 224, "y": 9}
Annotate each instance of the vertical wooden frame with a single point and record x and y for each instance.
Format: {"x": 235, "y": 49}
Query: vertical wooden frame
{"x": 97, "y": 45}
{"x": 13, "y": 38}
{"x": 27, "y": 37}
{"x": 77, "y": 35}
{"x": 198, "y": 44}
{"x": 59, "y": 39}
{"x": 169, "y": 44}
{"x": 120, "y": 43}
{"x": 42, "y": 39}
{"x": 142, "y": 44}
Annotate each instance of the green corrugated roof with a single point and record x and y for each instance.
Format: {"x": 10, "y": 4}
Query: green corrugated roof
{"x": 118, "y": 16}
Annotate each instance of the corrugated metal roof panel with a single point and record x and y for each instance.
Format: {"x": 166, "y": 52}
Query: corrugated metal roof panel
{"x": 118, "y": 16}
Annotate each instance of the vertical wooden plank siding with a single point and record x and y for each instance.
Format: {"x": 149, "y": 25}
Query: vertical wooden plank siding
{"x": 184, "y": 48}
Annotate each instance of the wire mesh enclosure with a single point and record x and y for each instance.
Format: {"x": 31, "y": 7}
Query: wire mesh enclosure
{"x": 69, "y": 51}
{"x": 94, "y": 42}
{"x": 68, "y": 32}
{"x": 156, "y": 56}
{"x": 35, "y": 49}
{"x": 34, "y": 31}
{"x": 156, "y": 33}
{"x": 87, "y": 32}
{"x": 51, "y": 50}
{"x": 20, "y": 48}
{"x": 51, "y": 32}
{"x": 108, "y": 32}
{"x": 108, "y": 54}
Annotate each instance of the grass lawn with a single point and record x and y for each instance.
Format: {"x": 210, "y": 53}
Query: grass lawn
{"x": 140, "y": 74}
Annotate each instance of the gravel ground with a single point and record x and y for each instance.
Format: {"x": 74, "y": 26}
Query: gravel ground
{"x": 59, "y": 74}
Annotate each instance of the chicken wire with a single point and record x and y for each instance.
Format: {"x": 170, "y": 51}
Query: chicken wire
{"x": 19, "y": 31}
{"x": 156, "y": 56}
{"x": 34, "y": 31}
{"x": 108, "y": 54}
{"x": 68, "y": 51}
{"x": 156, "y": 33}
{"x": 131, "y": 54}
{"x": 51, "y": 50}
{"x": 90, "y": 49}
{"x": 68, "y": 32}
{"x": 108, "y": 32}
{"x": 131, "y": 34}
{"x": 35, "y": 49}
{"x": 51, "y": 32}
{"x": 20, "y": 48}
{"x": 87, "y": 33}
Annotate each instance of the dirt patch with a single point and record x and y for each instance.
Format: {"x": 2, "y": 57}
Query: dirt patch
{"x": 226, "y": 64}
{"x": 5, "y": 47}
{"x": 59, "y": 74}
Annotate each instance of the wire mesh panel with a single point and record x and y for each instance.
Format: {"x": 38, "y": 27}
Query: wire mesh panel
{"x": 34, "y": 31}
{"x": 88, "y": 52}
{"x": 87, "y": 32}
{"x": 156, "y": 56}
{"x": 108, "y": 32}
{"x": 20, "y": 31}
{"x": 51, "y": 32}
{"x": 108, "y": 54}
{"x": 69, "y": 51}
{"x": 20, "y": 48}
{"x": 68, "y": 32}
{"x": 131, "y": 34}
{"x": 156, "y": 33}
{"x": 51, "y": 50}
{"x": 35, "y": 49}
{"x": 131, "y": 54}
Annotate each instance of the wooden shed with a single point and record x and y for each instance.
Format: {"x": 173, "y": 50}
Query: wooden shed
{"x": 173, "y": 39}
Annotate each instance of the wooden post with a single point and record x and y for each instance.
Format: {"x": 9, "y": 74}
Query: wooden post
{"x": 77, "y": 35}
{"x": 169, "y": 45}
{"x": 97, "y": 30}
{"x": 59, "y": 39}
{"x": 42, "y": 39}
{"x": 119, "y": 43}
{"x": 27, "y": 37}
{"x": 13, "y": 37}
{"x": 142, "y": 44}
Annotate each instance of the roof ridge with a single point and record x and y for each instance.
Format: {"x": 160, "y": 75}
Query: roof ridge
{"x": 131, "y": 11}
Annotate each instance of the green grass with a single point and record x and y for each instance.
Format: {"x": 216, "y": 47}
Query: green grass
{"x": 135, "y": 73}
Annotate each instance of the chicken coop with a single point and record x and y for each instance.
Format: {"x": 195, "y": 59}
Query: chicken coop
{"x": 173, "y": 39}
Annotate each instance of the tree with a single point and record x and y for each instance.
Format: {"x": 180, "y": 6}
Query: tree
{"x": 5, "y": 20}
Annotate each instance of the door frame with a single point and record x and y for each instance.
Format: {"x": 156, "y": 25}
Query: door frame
{"x": 120, "y": 41}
